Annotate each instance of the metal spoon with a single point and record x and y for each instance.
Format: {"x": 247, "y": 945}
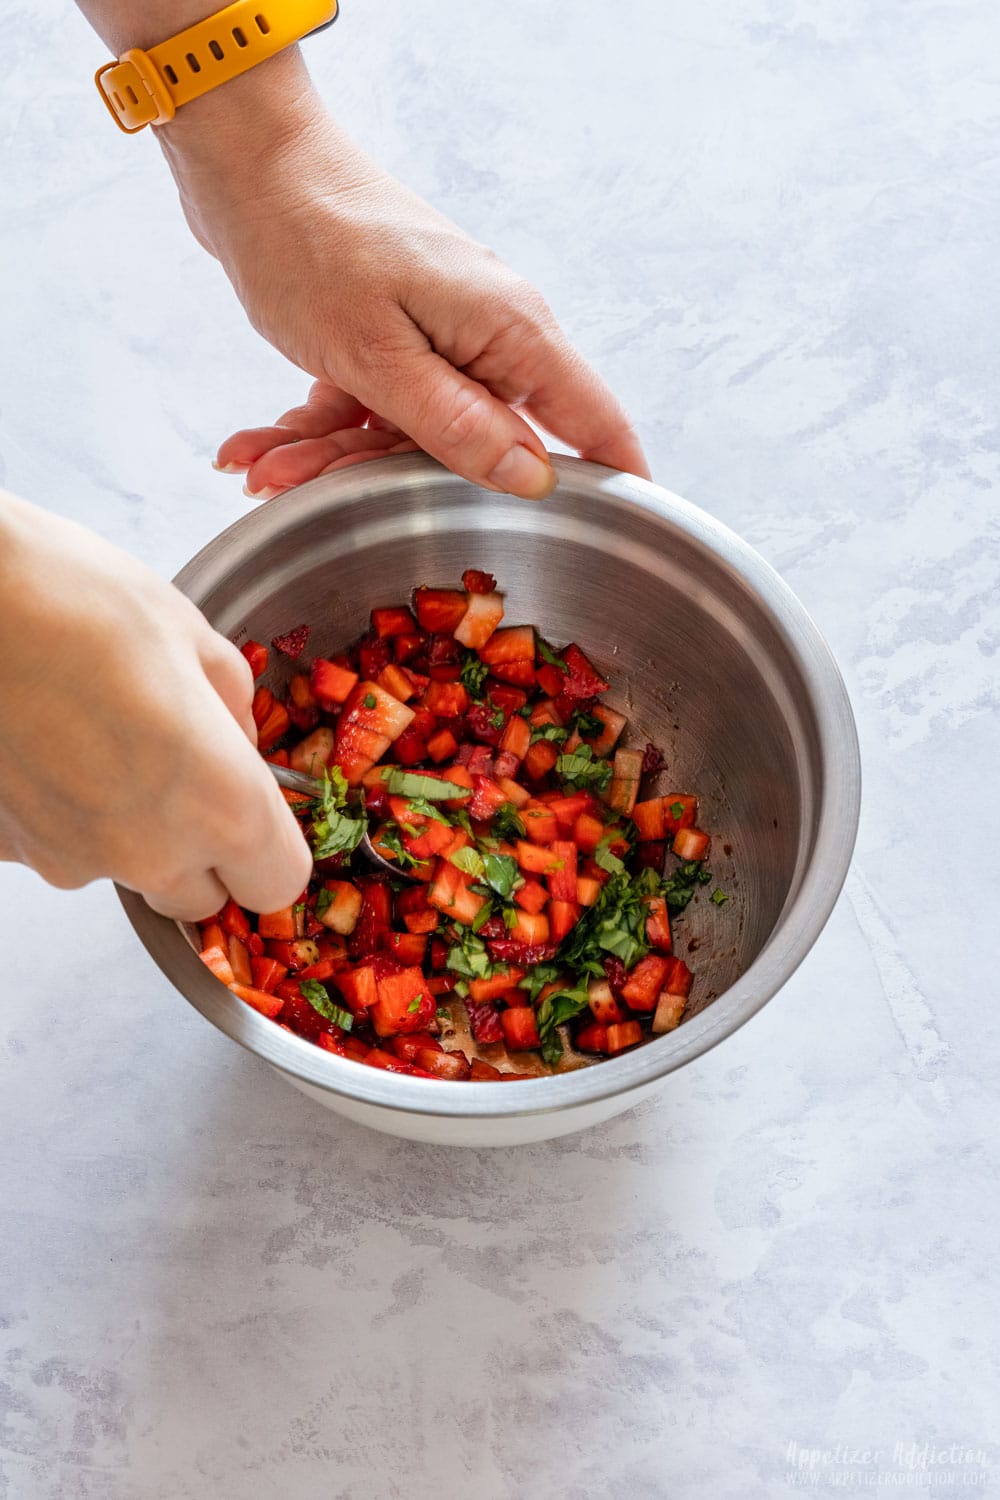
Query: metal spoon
{"x": 309, "y": 786}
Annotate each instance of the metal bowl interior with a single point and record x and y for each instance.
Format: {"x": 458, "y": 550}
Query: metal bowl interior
{"x": 708, "y": 652}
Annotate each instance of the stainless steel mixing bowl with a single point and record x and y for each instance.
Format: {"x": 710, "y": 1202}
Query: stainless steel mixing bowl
{"x": 708, "y": 652}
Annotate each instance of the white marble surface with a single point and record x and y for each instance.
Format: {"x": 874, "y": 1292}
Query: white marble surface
{"x": 775, "y": 228}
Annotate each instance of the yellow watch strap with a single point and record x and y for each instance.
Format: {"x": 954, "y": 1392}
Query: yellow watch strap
{"x": 148, "y": 87}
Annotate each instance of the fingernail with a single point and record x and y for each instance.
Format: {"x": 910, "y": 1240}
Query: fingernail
{"x": 521, "y": 472}
{"x": 229, "y": 468}
{"x": 268, "y": 492}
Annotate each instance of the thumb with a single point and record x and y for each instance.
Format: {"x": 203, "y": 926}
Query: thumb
{"x": 458, "y": 421}
{"x": 269, "y": 866}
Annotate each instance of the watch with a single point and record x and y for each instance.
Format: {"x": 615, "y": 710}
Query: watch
{"x": 147, "y": 87}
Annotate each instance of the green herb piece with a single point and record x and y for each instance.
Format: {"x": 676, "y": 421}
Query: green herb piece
{"x": 411, "y": 784}
{"x": 461, "y": 988}
{"x": 615, "y": 924}
{"x": 299, "y": 906}
{"x": 369, "y": 700}
{"x": 442, "y": 1014}
{"x": 507, "y": 822}
{"x": 333, "y": 832}
{"x": 580, "y": 769}
{"x": 420, "y": 807}
{"x": 677, "y": 810}
{"x": 468, "y": 957}
{"x": 319, "y": 999}
{"x": 389, "y": 838}
{"x": 324, "y": 900}
{"x": 525, "y": 711}
{"x": 586, "y": 723}
{"x": 473, "y": 674}
{"x": 482, "y": 916}
{"x": 502, "y": 874}
{"x": 538, "y": 976}
{"x": 679, "y": 887}
{"x": 554, "y": 732}
{"x": 414, "y": 1004}
{"x": 605, "y": 859}
{"x": 509, "y": 915}
{"x": 718, "y": 897}
{"x": 497, "y": 717}
{"x": 468, "y": 861}
{"x": 556, "y": 1008}
{"x": 546, "y": 652}
{"x": 461, "y": 819}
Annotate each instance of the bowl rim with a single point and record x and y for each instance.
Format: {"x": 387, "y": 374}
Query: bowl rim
{"x": 801, "y": 920}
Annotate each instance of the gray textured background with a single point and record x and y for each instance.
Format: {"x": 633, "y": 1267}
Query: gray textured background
{"x": 774, "y": 227}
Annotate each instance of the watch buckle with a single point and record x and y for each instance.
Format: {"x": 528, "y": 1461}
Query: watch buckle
{"x": 134, "y": 93}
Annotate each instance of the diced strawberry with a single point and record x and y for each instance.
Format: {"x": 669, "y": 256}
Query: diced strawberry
{"x": 407, "y": 1045}
{"x": 266, "y": 973}
{"x": 592, "y": 1038}
{"x": 520, "y": 1029}
{"x": 532, "y": 896}
{"x": 340, "y": 906}
{"x": 691, "y": 844}
{"x": 587, "y": 890}
{"x": 680, "y": 810}
{"x": 410, "y": 749}
{"x": 562, "y": 879}
{"x": 313, "y": 753}
{"x": 441, "y": 746}
{"x": 613, "y": 725}
{"x": 389, "y": 622}
{"x": 550, "y": 679}
{"x": 650, "y": 856}
{"x": 645, "y": 982}
{"x": 270, "y": 717}
{"x": 404, "y": 1003}
{"x": 531, "y": 929}
{"x": 625, "y": 1034}
{"x": 481, "y": 618}
{"x": 370, "y": 721}
{"x": 484, "y": 1072}
{"x": 563, "y": 917}
{"x": 277, "y": 924}
{"x": 374, "y": 654}
{"x": 481, "y": 721}
{"x": 516, "y": 738}
{"x": 518, "y": 673}
{"x": 217, "y": 959}
{"x": 487, "y": 798}
{"x": 331, "y": 684}
{"x": 581, "y": 681}
{"x": 510, "y": 699}
{"x": 625, "y": 777}
{"x": 648, "y": 819}
{"x": 432, "y": 839}
{"x": 406, "y": 646}
{"x": 508, "y": 951}
{"x": 669, "y": 1010}
{"x": 513, "y": 643}
{"x": 658, "y": 923}
{"x": 358, "y": 988}
{"x": 397, "y": 682}
{"x": 481, "y": 990}
{"x": 588, "y": 832}
{"x": 268, "y": 1005}
{"x": 604, "y": 1007}
{"x": 484, "y": 1020}
{"x": 446, "y": 700}
{"x": 513, "y": 791}
{"x": 295, "y": 955}
{"x": 540, "y": 823}
{"x": 535, "y": 859}
{"x": 256, "y": 655}
{"x": 294, "y": 643}
{"x": 679, "y": 977}
{"x": 653, "y": 760}
{"x": 476, "y": 582}
{"x": 540, "y": 759}
{"x": 408, "y": 947}
{"x": 439, "y": 610}
{"x": 454, "y": 1066}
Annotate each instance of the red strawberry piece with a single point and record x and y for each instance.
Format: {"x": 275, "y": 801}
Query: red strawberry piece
{"x": 484, "y": 1018}
{"x": 294, "y": 643}
{"x": 507, "y": 951}
{"x": 476, "y": 582}
{"x": 652, "y": 760}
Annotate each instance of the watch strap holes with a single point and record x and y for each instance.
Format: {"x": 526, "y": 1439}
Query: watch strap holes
{"x": 133, "y": 96}
{"x": 262, "y": 26}
{"x": 193, "y": 63}
{"x": 216, "y": 51}
{"x": 170, "y": 74}
{"x": 239, "y": 36}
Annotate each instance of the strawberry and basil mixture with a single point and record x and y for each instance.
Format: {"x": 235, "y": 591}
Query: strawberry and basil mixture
{"x": 542, "y": 877}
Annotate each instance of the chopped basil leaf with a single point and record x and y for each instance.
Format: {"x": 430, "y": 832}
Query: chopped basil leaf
{"x": 299, "y": 906}
{"x": 497, "y": 717}
{"x": 319, "y": 999}
{"x": 546, "y": 652}
{"x": 473, "y": 674}
{"x": 461, "y": 988}
{"x": 369, "y": 700}
{"x": 414, "y": 1004}
{"x": 677, "y": 810}
{"x": 556, "y": 1008}
{"x": 422, "y": 808}
{"x": 442, "y": 1014}
{"x": 413, "y": 784}
{"x": 507, "y": 822}
{"x": 538, "y": 976}
{"x": 718, "y": 897}
{"x": 468, "y": 957}
{"x": 581, "y": 769}
{"x": 586, "y": 723}
{"x": 510, "y": 917}
{"x": 336, "y": 834}
{"x": 324, "y": 900}
{"x": 482, "y": 916}
{"x": 555, "y": 732}
{"x": 616, "y": 924}
{"x": 605, "y": 859}
{"x": 389, "y": 839}
{"x": 502, "y": 874}
{"x": 467, "y": 860}
{"x": 461, "y": 819}
{"x": 679, "y": 887}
